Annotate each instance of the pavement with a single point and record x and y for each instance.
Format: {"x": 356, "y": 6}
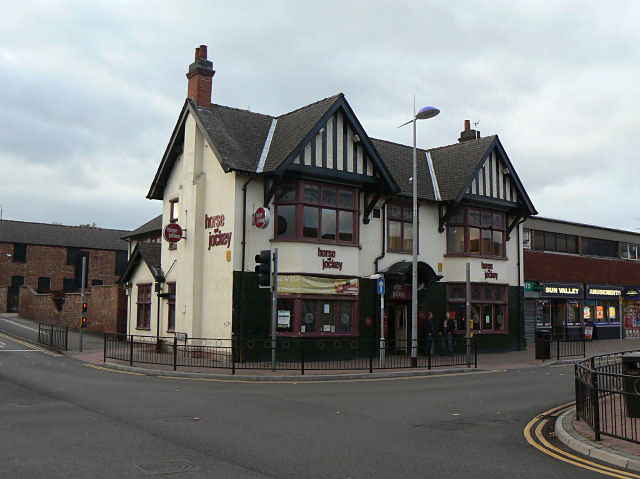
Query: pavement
{"x": 570, "y": 432}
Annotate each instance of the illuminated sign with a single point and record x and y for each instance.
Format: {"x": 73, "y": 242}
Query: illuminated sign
{"x": 603, "y": 291}
{"x": 556, "y": 290}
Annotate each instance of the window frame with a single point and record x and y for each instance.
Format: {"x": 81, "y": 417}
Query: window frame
{"x": 22, "y": 257}
{"x": 401, "y": 219}
{"x": 172, "y": 206}
{"x": 299, "y": 203}
{"x": 144, "y": 306}
{"x": 297, "y": 300}
{"x": 481, "y": 302}
{"x": 467, "y": 226}
{"x": 171, "y": 306}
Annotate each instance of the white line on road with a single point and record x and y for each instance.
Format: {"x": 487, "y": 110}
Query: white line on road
{"x": 18, "y": 351}
{"x": 20, "y": 325}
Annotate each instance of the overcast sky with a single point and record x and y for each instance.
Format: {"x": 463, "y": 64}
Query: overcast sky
{"x": 90, "y": 91}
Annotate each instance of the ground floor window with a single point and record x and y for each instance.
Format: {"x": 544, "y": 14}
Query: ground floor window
{"x": 317, "y": 315}
{"x": 489, "y": 307}
{"x": 601, "y": 311}
{"x": 144, "y": 306}
{"x": 171, "y": 307}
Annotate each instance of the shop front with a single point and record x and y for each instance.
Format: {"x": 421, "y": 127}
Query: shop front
{"x": 602, "y": 305}
{"x": 631, "y": 312}
{"x": 558, "y": 308}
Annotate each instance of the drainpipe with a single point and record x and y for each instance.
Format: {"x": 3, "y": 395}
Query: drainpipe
{"x": 520, "y": 294}
{"x": 384, "y": 215}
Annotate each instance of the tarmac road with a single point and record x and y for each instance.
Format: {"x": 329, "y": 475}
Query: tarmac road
{"x": 60, "y": 418}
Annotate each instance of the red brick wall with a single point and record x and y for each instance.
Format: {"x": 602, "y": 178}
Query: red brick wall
{"x": 549, "y": 267}
{"x": 105, "y": 310}
{"x": 51, "y": 262}
{"x": 4, "y": 290}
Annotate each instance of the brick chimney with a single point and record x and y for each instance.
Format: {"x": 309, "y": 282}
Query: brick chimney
{"x": 200, "y": 74}
{"x": 468, "y": 134}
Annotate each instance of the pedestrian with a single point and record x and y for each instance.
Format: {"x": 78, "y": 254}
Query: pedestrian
{"x": 429, "y": 333}
{"x": 448, "y": 327}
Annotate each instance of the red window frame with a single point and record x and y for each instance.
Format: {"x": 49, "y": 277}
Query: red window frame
{"x": 143, "y": 304}
{"x": 483, "y": 227}
{"x": 171, "y": 307}
{"x": 296, "y": 323}
{"x": 403, "y": 219}
{"x": 300, "y": 202}
{"x": 481, "y": 300}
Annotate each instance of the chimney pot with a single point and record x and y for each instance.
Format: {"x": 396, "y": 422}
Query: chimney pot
{"x": 201, "y": 52}
{"x": 467, "y": 124}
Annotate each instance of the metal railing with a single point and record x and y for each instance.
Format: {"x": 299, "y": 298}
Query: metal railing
{"x": 559, "y": 346}
{"x": 607, "y": 399}
{"x": 53, "y": 335}
{"x": 292, "y": 354}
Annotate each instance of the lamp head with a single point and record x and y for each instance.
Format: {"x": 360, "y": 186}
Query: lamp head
{"x": 427, "y": 112}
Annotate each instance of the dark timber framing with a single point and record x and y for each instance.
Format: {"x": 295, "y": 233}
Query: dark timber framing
{"x": 334, "y": 138}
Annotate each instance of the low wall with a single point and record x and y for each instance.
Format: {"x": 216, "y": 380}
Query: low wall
{"x": 106, "y": 308}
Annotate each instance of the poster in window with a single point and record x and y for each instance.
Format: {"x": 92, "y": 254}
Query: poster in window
{"x": 612, "y": 312}
{"x": 587, "y": 312}
{"x": 284, "y": 318}
{"x": 599, "y": 312}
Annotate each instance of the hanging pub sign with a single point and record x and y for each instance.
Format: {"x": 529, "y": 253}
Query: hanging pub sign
{"x": 603, "y": 292}
{"x": 217, "y": 237}
{"x": 561, "y": 290}
{"x": 261, "y": 218}
{"x": 173, "y": 232}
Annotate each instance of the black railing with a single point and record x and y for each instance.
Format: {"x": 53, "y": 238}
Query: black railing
{"x": 53, "y": 335}
{"x": 607, "y": 399}
{"x": 561, "y": 345}
{"x": 291, "y": 354}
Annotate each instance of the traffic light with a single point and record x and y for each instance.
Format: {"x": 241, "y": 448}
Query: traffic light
{"x": 83, "y": 321}
{"x": 264, "y": 268}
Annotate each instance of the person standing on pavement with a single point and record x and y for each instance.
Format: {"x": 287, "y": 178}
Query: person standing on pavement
{"x": 429, "y": 333}
{"x": 448, "y": 327}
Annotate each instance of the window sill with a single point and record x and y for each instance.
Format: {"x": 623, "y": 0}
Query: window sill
{"x": 143, "y": 329}
{"x": 468, "y": 255}
{"x": 312, "y": 241}
{"x": 399, "y": 251}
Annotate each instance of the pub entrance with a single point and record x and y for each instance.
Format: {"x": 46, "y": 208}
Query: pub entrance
{"x": 399, "y": 318}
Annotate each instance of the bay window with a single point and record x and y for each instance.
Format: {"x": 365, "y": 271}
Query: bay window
{"x": 317, "y": 212}
{"x": 476, "y": 231}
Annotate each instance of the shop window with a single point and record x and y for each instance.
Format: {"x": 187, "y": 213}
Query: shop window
{"x": 489, "y": 307}
{"x": 171, "y": 307}
{"x": 400, "y": 228}
{"x": 476, "y": 231}
{"x": 19, "y": 253}
{"x": 143, "y": 303}
{"x": 317, "y": 213}
{"x": 601, "y": 311}
{"x": 319, "y": 316}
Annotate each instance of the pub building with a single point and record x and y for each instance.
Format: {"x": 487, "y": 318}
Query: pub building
{"x": 580, "y": 275}
{"x": 337, "y": 205}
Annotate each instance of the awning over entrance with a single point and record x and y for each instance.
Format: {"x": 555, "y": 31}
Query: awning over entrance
{"x": 401, "y": 273}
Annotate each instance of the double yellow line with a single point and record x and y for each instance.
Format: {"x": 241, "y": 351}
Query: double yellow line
{"x": 101, "y": 368}
{"x": 537, "y": 440}
{"x": 29, "y": 345}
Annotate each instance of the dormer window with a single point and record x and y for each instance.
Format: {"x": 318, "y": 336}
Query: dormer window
{"x": 317, "y": 212}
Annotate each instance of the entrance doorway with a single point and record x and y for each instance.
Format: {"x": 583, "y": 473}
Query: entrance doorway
{"x": 400, "y": 328}
{"x": 13, "y": 294}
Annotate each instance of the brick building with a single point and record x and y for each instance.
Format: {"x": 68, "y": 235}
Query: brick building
{"x": 577, "y": 274}
{"x": 47, "y": 258}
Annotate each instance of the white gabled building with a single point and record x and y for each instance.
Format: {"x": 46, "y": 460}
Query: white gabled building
{"x": 340, "y": 206}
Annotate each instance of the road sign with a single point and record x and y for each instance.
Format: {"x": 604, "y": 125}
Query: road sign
{"x": 380, "y": 286}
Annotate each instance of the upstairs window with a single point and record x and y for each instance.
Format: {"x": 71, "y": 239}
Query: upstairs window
{"x": 400, "y": 228}
{"x": 317, "y": 212}
{"x": 599, "y": 247}
{"x": 19, "y": 253}
{"x": 629, "y": 251}
{"x": 476, "y": 231}
{"x": 44, "y": 285}
{"x": 555, "y": 242}
{"x": 174, "y": 208}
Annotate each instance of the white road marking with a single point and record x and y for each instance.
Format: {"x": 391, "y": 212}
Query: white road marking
{"x": 19, "y": 325}
{"x": 17, "y": 351}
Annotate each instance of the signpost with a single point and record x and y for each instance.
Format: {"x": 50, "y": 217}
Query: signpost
{"x": 82, "y": 300}
{"x": 380, "y": 288}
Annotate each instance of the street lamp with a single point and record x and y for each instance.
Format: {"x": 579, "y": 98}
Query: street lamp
{"x": 423, "y": 114}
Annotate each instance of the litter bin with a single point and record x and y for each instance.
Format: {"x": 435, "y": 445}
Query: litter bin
{"x": 631, "y": 383}
{"x": 543, "y": 344}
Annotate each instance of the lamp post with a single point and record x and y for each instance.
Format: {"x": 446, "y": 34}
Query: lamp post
{"x": 422, "y": 114}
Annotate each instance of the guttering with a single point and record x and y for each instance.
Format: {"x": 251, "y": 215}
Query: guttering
{"x": 384, "y": 247}
{"x": 434, "y": 180}
{"x": 267, "y": 145}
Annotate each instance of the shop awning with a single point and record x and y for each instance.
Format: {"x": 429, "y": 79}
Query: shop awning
{"x": 400, "y": 272}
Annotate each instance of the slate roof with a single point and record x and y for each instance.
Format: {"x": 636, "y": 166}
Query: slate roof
{"x": 150, "y": 254}
{"x": 453, "y": 165}
{"x": 62, "y": 235}
{"x": 151, "y": 226}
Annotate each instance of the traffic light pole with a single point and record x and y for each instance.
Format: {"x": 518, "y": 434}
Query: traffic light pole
{"x": 84, "y": 269}
{"x": 274, "y": 308}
